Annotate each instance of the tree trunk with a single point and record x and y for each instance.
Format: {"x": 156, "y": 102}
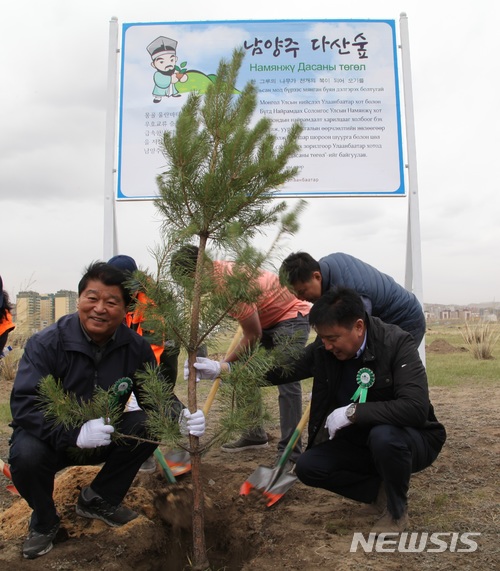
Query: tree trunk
{"x": 200, "y": 559}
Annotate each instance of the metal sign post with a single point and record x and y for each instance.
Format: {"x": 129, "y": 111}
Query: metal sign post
{"x": 413, "y": 270}
{"x": 110, "y": 239}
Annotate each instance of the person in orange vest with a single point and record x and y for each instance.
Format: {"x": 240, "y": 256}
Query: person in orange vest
{"x": 135, "y": 318}
{"x": 6, "y": 323}
{"x": 166, "y": 353}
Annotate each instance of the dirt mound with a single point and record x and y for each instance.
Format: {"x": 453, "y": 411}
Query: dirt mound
{"x": 14, "y": 521}
{"x": 442, "y": 346}
{"x": 159, "y": 539}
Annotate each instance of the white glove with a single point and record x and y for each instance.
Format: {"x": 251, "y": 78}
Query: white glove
{"x": 205, "y": 369}
{"x": 192, "y": 423}
{"x": 94, "y": 433}
{"x": 186, "y": 372}
{"x": 337, "y": 420}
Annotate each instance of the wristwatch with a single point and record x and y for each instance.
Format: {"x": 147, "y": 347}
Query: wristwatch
{"x": 351, "y": 412}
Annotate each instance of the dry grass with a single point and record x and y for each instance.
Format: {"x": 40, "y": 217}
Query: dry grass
{"x": 8, "y": 367}
{"x": 481, "y": 338}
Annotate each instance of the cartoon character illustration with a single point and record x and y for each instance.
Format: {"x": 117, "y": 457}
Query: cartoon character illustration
{"x": 167, "y": 74}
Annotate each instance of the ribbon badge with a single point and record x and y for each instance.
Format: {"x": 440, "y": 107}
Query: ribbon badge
{"x": 122, "y": 386}
{"x": 365, "y": 379}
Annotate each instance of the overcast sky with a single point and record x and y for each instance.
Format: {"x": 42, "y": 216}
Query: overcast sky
{"x": 53, "y": 65}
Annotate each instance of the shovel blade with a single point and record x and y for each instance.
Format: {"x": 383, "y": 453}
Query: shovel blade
{"x": 179, "y": 469}
{"x": 5, "y": 469}
{"x": 262, "y": 477}
{"x": 269, "y": 482}
{"x": 12, "y": 489}
{"x": 179, "y": 461}
{"x": 258, "y": 480}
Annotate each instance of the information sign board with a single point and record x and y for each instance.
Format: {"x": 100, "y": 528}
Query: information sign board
{"x": 339, "y": 78}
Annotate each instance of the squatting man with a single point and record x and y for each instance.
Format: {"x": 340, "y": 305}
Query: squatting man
{"x": 371, "y": 424}
{"x": 89, "y": 348}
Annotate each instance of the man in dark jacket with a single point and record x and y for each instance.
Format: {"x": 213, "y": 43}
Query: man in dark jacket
{"x": 382, "y": 296}
{"x": 91, "y": 348}
{"x": 372, "y": 424}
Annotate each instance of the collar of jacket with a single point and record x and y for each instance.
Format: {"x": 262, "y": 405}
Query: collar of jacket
{"x": 74, "y": 338}
{"x": 368, "y": 354}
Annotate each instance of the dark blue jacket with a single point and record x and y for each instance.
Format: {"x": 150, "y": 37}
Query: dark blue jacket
{"x": 63, "y": 351}
{"x": 388, "y": 300}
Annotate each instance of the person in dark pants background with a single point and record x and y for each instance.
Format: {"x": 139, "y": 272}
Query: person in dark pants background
{"x": 166, "y": 352}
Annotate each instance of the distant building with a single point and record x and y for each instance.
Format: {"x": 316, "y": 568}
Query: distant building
{"x": 65, "y": 302}
{"x": 34, "y": 312}
{"x": 467, "y": 314}
{"x": 451, "y": 313}
{"x": 27, "y": 312}
{"x": 47, "y": 310}
{"x": 445, "y": 314}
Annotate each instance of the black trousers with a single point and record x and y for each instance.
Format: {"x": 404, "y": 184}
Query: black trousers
{"x": 34, "y": 464}
{"x": 357, "y": 460}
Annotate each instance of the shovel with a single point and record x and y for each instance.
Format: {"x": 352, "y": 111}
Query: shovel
{"x": 272, "y": 482}
{"x": 167, "y": 472}
{"x": 4, "y": 468}
{"x": 179, "y": 461}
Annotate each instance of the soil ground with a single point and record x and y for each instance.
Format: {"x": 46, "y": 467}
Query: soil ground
{"x": 307, "y": 529}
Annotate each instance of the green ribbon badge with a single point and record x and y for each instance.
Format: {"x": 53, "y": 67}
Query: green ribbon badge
{"x": 122, "y": 387}
{"x": 365, "y": 379}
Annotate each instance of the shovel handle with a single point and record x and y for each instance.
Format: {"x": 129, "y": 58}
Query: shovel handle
{"x": 165, "y": 467}
{"x": 215, "y": 385}
{"x": 304, "y": 419}
{"x": 206, "y": 407}
{"x": 211, "y": 396}
{"x": 295, "y": 436}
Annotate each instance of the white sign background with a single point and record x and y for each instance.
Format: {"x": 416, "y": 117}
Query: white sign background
{"x": 338, "y": 77}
